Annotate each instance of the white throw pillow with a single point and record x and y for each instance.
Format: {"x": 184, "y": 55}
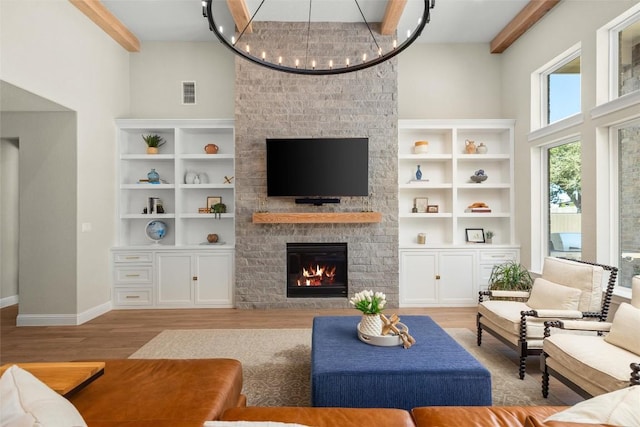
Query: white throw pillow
{"x": 625, "y": 329}
{"x": 249, "y": 424}
{"x": 618, "y": 408}
{"x": 551, "y": 296}
{"x": 27, "y": 401}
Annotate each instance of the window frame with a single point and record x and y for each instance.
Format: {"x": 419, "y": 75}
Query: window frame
{"x": 539, "y": 90}
{"x": 614, "y": 31}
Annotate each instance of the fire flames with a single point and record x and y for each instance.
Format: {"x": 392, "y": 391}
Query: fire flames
{"x": 317, "y": 276}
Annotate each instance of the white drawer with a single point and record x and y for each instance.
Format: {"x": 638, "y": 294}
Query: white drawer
{"x": 131, "y": 257}
{"x": 133, "y": 275}
{"x": 498, "y": 256}
{"x": 133, "y": 297}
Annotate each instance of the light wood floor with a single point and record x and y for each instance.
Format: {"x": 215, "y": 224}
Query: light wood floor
{"x": 119, "y": 333}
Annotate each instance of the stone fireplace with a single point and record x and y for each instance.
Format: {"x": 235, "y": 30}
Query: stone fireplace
{"x": 317, "y": 270}
{"x": 271, "y": 104}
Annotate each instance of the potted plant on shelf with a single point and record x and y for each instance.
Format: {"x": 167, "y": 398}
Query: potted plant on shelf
{"x": 510, "y": 276}
{"x": 488, "y": 236}
{"x": 153, "y": 142}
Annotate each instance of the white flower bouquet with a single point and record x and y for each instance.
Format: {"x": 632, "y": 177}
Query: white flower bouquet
{"x": 369, "y": 302}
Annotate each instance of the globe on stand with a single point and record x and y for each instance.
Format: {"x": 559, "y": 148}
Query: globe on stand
{"x": 156, "y": 231}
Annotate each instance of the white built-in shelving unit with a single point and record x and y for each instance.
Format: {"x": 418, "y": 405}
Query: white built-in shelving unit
{"x": 447, "y": 270}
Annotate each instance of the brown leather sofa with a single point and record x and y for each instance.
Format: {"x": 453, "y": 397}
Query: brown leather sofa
{"x": 161, "y": 392}
{"x": 441, "y": 416}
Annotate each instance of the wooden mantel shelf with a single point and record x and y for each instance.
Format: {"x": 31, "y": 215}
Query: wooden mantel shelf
{"x": 316, "y": 218}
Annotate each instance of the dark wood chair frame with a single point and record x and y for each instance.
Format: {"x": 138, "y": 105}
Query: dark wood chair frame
{"x": 521, "y": 347}
{"x": 634, "y": 377}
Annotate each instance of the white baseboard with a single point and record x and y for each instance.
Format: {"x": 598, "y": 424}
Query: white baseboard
{"x": 7, "y": 301}
{"x": 62, "y": 319}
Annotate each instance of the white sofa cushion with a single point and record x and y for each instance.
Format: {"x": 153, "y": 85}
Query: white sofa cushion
{"x": 618, "y": 408}
{"x": 587, "y": 278}
{"x": 625, "y": 329}
{"x": 27, "y": 401}
{"x": 552, "y": 296}
{"x": 593, "y": 363}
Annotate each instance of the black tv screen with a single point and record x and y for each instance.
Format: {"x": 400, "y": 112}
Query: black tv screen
{"x": 322, "y": 167}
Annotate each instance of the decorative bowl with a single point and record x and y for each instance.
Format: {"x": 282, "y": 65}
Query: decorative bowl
{"x": 479, "y": 178}
{"x": 383, "y": 340}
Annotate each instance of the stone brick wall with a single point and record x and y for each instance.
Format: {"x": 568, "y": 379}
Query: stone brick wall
{"x": 271, "y": 104}
{"x": 629, "y": 153}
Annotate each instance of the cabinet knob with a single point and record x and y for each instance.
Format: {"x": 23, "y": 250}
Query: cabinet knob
{"x": 194, "y": 278}
{"x": 437, "y": 277}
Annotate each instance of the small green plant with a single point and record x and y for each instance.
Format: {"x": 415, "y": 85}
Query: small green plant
{"x": 153, "y": 140}
{"x": 510, "y": 276}
{"x": 489, "y": 234}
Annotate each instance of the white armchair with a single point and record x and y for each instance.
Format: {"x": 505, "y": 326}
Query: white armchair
{"x": 568, "y": 289}
{"x": 594, "y": 365}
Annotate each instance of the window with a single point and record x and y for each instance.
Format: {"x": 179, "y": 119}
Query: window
{"x": 562, "y": 85}
{"x": 628, "y": 141}
{"x": 556, "y": 91}
{"x": 564, "y": 200}
{"x": 625, "y": 40}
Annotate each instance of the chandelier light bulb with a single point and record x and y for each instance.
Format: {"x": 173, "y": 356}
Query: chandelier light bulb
{"x": 233, "y": 40}
{"x": 408, "y": 33}
{"x": 279, "y": 60}
{"x": 379, "y": 51}
{"x": 395, "y": 43}
{"x": 331, "y": 64}
{"x": 248, "y": 49}
{"x": 221, "y": 29}
{"x": 347, "y": 62}
{"x": 364, "y": 57}
{"x": 204, "y": 3}
{"x": 297, "y": 63}
{"x": 313, "y": 64}
{"x": 264, "y": 55}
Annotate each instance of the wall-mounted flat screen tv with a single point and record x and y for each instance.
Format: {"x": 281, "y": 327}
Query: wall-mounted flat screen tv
{"x": 317, "y": 167}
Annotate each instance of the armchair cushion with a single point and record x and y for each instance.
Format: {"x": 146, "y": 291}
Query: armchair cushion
{"x": 625, "y": 330}
{"x": 505, "y": 315}
{"x": 589, "y": 361}
{"x": 549, "y": 295}
{"x": 619, "y": 408}
{"x": 587, "y": 278}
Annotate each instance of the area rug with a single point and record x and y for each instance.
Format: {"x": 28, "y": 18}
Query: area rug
{"x": 277, "y": 363}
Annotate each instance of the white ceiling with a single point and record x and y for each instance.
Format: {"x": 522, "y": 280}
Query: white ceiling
{"x": 452, "y": 21}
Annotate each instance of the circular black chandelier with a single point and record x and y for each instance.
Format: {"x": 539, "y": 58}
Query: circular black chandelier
{"x": 238, "y": 40}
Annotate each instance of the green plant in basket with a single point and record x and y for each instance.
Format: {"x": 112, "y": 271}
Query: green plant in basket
{"x": 510, "y": 276}
{"x": 369, "y": 302}
{"x": 153, "y": 140}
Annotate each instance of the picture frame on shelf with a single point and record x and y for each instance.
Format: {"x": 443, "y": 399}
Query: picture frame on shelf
{"x": 421, "y": 204}
{"x": 432, "y": 208}
{"x": 213, "y": 200}
{"x": 474, "y": 235}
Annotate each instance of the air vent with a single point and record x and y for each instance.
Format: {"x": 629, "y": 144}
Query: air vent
{"x": 188, "y": 93}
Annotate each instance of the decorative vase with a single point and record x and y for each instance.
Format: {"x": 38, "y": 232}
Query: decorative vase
{"x": 153, "y": 176}
{"x": 211, "y": 149}
{"x": 152, "y": 150}
{"x": 371, "y": 324}
{"x": 418, "y": 174}
{"x": 481, "y": 149}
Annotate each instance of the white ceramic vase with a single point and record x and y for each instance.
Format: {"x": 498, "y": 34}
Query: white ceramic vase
{"x": 371, "y": 324}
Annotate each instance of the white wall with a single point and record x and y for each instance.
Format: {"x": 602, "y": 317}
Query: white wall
{"x": 53, "y": 50}
{"x": 9, "y": 213}
{"x": 157, "y": 73}
{"x": 570, "y": 22}
{"x": 449, "y": 81}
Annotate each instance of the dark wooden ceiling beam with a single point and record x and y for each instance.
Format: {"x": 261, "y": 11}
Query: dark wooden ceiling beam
{"x": 525, "y": 19}
{"x": 111, "y": 25}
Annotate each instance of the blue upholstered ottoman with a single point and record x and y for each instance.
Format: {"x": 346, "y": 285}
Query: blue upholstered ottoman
{"x": 435, "y": 371}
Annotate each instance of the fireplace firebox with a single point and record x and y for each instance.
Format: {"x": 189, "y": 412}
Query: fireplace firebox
{"x": 317, "y": 270}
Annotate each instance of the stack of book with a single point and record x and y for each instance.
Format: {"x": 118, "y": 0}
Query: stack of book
{"x": 478, "y": 210}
